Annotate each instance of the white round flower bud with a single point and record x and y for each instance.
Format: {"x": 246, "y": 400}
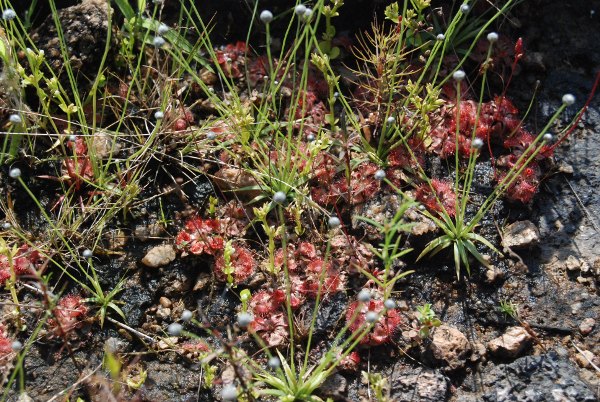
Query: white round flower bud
{"x": 16, "y": 346}
{"x": 334, "y": 222}
{"x": 371, "y": 317}
{"x": 477, "y": 143}
{"x": 440, "y": 37}
{"x": 391, "y": 120}
{"x": 162, "y": 29}
{"x": 159, "y": 115}
{"x": 6, "y": 226}
{"x": 186, "y": 315}
{"x": 266, "y": 16}
{"x": 364, "y": 295}
{"x": 310, "y": 137}
{"x": 158, "y": 41}
{"x": 379, "y": 175}
{"x": 175, "y": 329}
{"x": 279, "y": 197}
{"x": 15, "y": 173}
{"x": 308, "y": 14}
{"x": 465, "y": 8}
{"x": 390, "y": 304}
{"x": 87, "y": 253}
{"x": 459, "y": 75}
{"x": 568, "y": 99}
{"x": 492, "y": 37}
{"x": 274, "y": 363}
{"x": 15, "y": 119}
{"x": 9, "y": 14}
{"x": 547, "y": 137}
{"x": 211, "y": 135}
{"x": 300, "y": 9}
{"x": 72, "y": 138}
{"x": 229, "y": 393}
{"x": 244, "y": 319}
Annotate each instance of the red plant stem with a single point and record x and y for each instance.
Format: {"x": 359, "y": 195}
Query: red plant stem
{"x": 583, "y": 110}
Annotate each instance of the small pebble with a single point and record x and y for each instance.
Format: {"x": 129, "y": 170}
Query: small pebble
{"x": 587, "y": 326}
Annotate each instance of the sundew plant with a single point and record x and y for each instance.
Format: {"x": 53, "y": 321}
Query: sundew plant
{"x": 288, "y": 175}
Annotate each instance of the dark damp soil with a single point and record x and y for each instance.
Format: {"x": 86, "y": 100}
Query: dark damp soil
{"x": 561, "y": 41}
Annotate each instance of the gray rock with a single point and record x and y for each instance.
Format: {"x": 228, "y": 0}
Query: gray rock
{"x": 536, "y": 379}
{"x": 450, "y": 346}
{"x": 159, "y": 256}
{"x": 521, "y": 234}
{"x": 511, "y": 344}
{"x": 422, "y": 386}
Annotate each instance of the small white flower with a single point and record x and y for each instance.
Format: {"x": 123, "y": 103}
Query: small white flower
{"x": 279, "y": 197}
{"x": 364, "y": 295}
{"x": 336, "y": 95}
{"x": 274, "y": 363}
{"x": 211, "y": 135}
{"x": 440, "y": 37}
{"x": 492, "y": 37}
{"x": 266, "y": 16}
{"x": 371, "y": 316}
{"x": 6, "y": 225}
{"x": 379, "y": 175}
{"x": 547, "y": 137}
{"x": 72, "y": 138}
{"x": 244, "y": 319}
{"x": 334, "y": 222}
{"x": 15, "y": 173}
{"x": 464, "y": 8}
{"x": 87, "y": 253}
{"x": 16, "y": 346}
{"x": 390, "y": 304}
{"x": 307, "y": 14}
{"x": 186, "y": 315}
{"x": 9, "y": 14}
{"x": 310, "y": 137}
{"x": 158, "y": 41}
{"x": 15, "y": 119}
{"x": 568, "y": 99}
{"x": 391, "y": 120}
{"x": 159, "y": 115}
{"x": 459, "y": 75}
{"x": 300, "y": 9}
{"x": 174, "y": 329}
{"x": 229, "y": 393}
{"x": 477, "y": 143}
{"x": 162, "y": 29}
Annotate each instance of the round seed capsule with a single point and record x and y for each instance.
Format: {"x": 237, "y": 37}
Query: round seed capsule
{"x": 211, "y": 135}
{"x": 547, "y": 137}
{"x": 477, "y": 143}
{"x": 464, "y": 8}
{"x": 16, "y": 346}
{"x": 391, "y": 120}
{"x": 307, "y": 14}
{"x": 6, "y": 225}
{"x": 87, "y": 253}
{"x": 380, "y": 174}
{"x": 310, "y": 137}
{"x": 440, "y": 37}
{"x": 159, "y": 115}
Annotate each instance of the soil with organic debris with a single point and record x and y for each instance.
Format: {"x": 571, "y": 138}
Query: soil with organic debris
{"x": 549, "y": 268}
